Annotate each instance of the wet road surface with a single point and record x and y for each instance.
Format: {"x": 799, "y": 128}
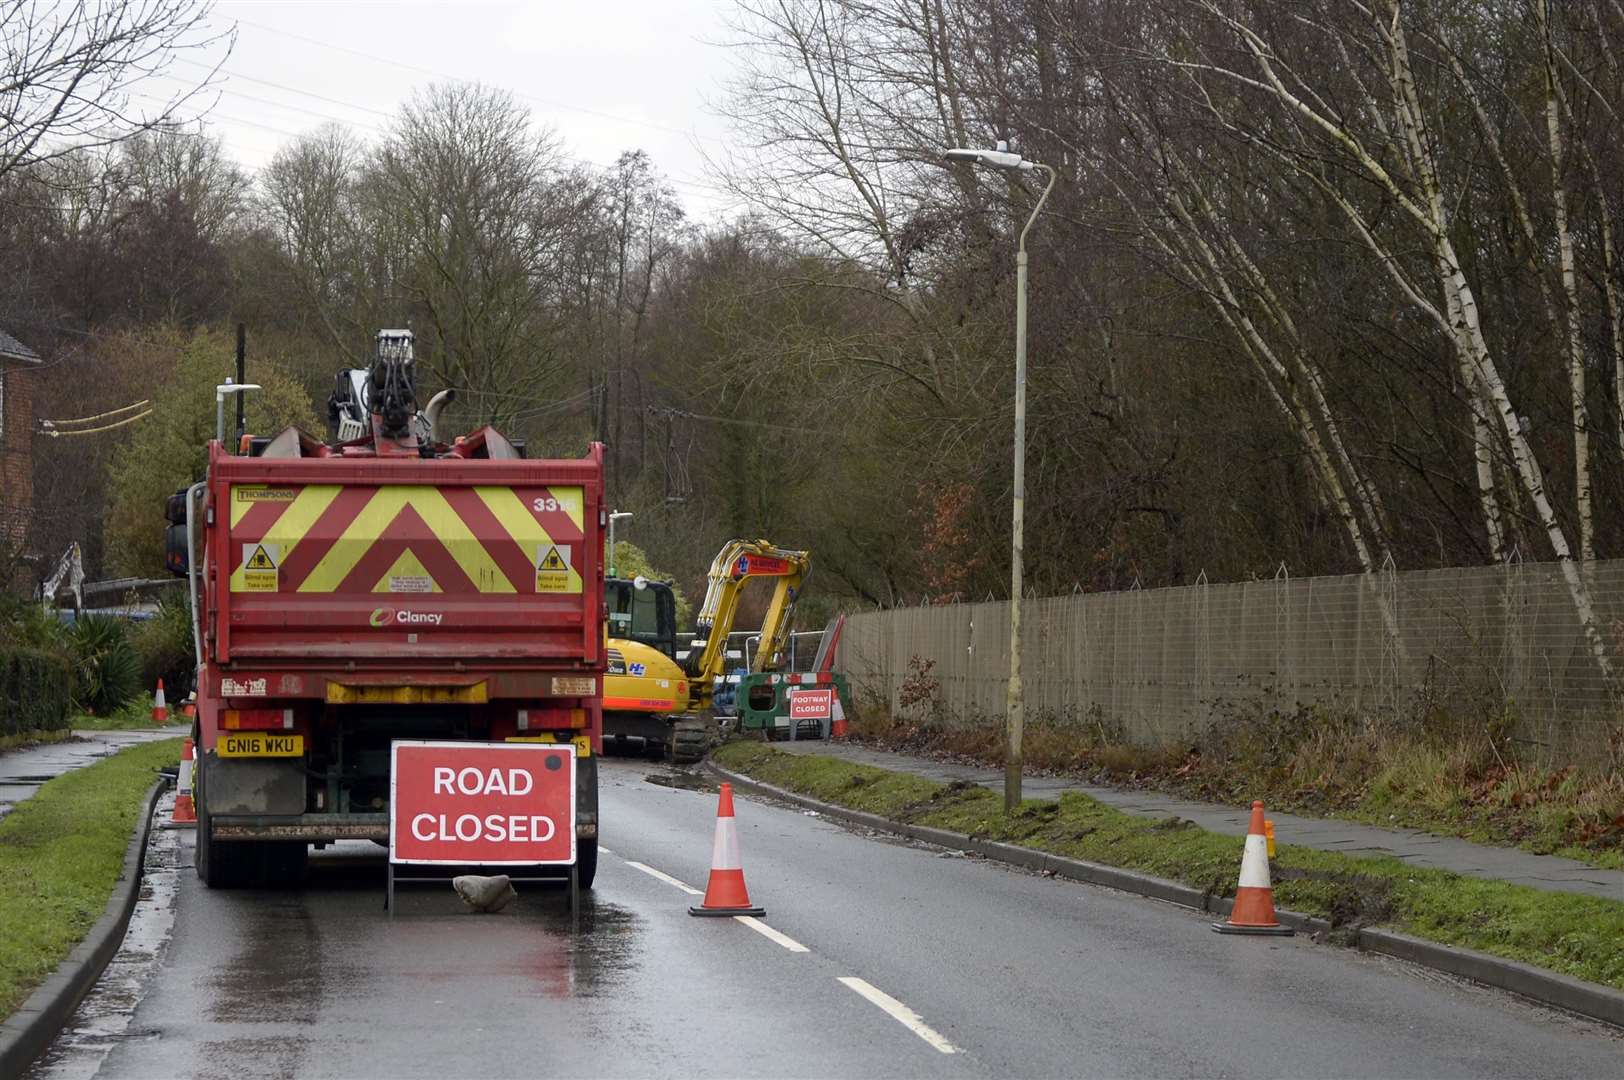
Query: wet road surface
{"x": 875, "y": 959}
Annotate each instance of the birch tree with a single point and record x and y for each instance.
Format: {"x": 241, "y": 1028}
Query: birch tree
{"x": 1418, "y": 196}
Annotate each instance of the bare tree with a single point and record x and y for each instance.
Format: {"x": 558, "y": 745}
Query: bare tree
{"x": 69, "y": 72}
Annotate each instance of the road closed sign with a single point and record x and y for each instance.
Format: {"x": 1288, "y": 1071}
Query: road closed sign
{"x": 482, "y": 804}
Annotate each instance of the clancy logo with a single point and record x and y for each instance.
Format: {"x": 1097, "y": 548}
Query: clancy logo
{"x": 390, "y": 616}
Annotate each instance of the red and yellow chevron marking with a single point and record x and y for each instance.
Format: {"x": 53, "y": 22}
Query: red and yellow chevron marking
{"x": 330, "y": 538}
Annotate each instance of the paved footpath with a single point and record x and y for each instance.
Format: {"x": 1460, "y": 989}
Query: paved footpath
{"x": 1548, "y": 872}
{"x": 23, "y": 771}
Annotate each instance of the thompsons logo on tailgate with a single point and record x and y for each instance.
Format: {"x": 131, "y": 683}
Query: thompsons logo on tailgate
{"x": 405, "y": 617}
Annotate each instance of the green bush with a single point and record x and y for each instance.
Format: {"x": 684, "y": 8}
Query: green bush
{"x": 36, "y": 689}
{"x": 164, "y": 646}
{"x": 109, "y": 669}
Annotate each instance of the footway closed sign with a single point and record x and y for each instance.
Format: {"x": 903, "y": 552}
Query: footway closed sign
{"x": 484, "y": 804}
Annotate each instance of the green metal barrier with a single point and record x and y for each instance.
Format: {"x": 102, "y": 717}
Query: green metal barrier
{"x": 763, "y": 703}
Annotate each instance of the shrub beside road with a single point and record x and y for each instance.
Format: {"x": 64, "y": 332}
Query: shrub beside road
{"x": 1576, "y": 935}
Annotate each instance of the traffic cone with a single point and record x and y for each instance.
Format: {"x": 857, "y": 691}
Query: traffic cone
{"x": 1253, "y": 912}
{"x": 837, "y": 726}
{"x": 160, "y": 711}
{"x": 725, "y": 894}
{"x": 185, "y": 813}
{"x": 188, "y": 707}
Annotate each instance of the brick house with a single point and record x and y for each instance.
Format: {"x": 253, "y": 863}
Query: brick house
{"x": 16, "y": 443}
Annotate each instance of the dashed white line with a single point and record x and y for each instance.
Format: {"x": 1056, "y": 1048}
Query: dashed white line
{"x": 770, "y": 934}
{"x": 900, "y": 1013}
{"x": 603, "y": 850}
{"x": 891, "y": 1006}
{"x": 662, "y": 876}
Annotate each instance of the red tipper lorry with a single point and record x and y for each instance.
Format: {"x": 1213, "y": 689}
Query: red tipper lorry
{"x": 381, "y": 587}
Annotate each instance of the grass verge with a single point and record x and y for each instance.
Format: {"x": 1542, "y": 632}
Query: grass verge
{"x": 1448, "y": 773}
{"x": 1580, "y": 936}
{"x": 33, "y": 738}
{"x": 61, "y": 851}
{"x": 134, "y": 715}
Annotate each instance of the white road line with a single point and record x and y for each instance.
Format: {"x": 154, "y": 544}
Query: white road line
{"x": 603, "y": 850}
{"x": 667, "y": 878}
{"x": 770, "y": 934}
{"x": 900, "y": 1013}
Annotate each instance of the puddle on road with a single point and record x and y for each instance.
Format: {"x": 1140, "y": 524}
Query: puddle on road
{"x": 592, "y": 953}
{"x": 103, "y": 1019}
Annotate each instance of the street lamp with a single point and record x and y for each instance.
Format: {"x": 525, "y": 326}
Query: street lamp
{"x": 221, "y": 392}
{"x": 1002, "y": 158}
{"x": 614, "y": 516}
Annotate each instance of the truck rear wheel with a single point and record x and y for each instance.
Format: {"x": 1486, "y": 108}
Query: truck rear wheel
{"x": 586, "y": 861}
{"x": 221, "y": 865}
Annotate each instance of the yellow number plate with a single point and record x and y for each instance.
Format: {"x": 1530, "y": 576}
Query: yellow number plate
{"x": 259, "y": 744}
{"x": 583, "y": 743}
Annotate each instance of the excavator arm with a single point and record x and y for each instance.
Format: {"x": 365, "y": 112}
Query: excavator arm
{"x": 736, "y": 563}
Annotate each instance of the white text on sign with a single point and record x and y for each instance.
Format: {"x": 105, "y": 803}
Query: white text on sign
{"x": 469, "y": 803}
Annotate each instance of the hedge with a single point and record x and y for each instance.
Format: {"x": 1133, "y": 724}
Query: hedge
{"x": 36, "y": 690}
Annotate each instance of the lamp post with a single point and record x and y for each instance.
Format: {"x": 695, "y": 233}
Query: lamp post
{"x": 221, "y": 392}
{"x": 614, "y": 516}
{"x": 1015, "y": 714}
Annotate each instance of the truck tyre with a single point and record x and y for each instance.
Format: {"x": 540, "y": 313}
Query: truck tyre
{"x": 220, "y": 864}
{"x": 586, "y": 861}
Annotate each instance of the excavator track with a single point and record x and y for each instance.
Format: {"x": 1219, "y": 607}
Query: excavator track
{"x": 689, "y": 741}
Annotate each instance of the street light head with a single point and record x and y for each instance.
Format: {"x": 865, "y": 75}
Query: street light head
{"x": 1000, "y": 158}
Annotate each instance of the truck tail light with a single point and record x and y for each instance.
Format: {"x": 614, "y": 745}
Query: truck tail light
{"x": 551, "y": 719}
{"x": 257, "y": 719}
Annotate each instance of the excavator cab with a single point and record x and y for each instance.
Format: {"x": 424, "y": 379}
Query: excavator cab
{"x": 643, "y": 611}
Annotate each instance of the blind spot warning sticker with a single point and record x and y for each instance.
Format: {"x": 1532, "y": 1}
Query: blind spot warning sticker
{"x": 259, "y": 563}
{"x": 552, "y": 568}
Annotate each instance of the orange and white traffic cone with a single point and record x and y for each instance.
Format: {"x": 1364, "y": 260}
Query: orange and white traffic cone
{"x": 725, "y": 894}
{"x": 160, "y": 711}
{"x": 185, "y": 813}
{"x": 1253, "y": 912}
{"x": 837, "y": 725}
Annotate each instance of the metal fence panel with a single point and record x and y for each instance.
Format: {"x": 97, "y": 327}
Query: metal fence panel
{"x": 1163, "y": 663}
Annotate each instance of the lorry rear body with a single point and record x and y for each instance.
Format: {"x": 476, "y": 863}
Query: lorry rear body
{"x": 348, "y": 599}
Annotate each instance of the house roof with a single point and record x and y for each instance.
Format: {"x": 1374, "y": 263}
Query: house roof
{"x": 12, "y": 349}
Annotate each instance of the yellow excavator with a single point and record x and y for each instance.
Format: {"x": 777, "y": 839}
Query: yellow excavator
{"x": 648, "y": 693}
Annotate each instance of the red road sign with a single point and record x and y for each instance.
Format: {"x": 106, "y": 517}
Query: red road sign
{"x": 761, "y": 566}
{"x": 484, "y": 804}
{"x": 811, "y": 704}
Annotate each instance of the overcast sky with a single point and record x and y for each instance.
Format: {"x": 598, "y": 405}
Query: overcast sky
{"x": 607, "y": 76}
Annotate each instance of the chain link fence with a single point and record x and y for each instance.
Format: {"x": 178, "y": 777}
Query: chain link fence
{"x": 1163, "y": 664}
